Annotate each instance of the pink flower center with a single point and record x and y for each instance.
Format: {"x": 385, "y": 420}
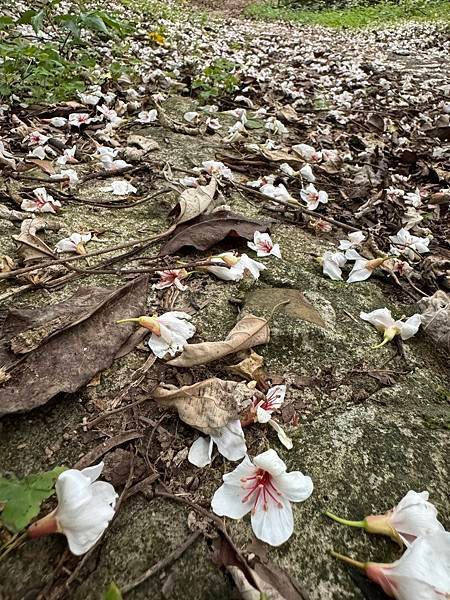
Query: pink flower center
{"x": 169, "y": 276}
{"x": 265, "y": 245}
{"x": 261, "y": 489}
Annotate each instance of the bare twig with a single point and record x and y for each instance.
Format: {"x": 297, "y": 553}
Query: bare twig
{"x": 164, "y": 562}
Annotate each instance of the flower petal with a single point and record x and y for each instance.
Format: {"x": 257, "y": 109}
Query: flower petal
{"x": 295, "y": 486}
{"x": 271, "y": 462}
{"x": 231, "y": 441}
{"x": 409, "y": 327}
{"x": 380, "y": 318}
{"x": 200, "y": 452}
{"x": 94, "y": 472}
{"x": 274, "y": 525}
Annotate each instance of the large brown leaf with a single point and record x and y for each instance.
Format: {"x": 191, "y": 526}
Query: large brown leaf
{"x": 208, "y": 230}
{"x": 194, "y": 201}
{"x": 207, "y": 405}
{"x": 250, "y": 331}
{"x": 46, "y": 351}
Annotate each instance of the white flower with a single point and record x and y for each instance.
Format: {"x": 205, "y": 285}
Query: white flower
{"x": 239, "y": 113}
{"x": 230, "y": 442}
{"x": 287, "y": 170}
{"x": 171, "y": 277}
{"x": 245, "y": 100}
{"x": 276, "y": 126}
{"x": 147, "y": 116}
{"x": 67, "y": 157}
{"x": 213, "y": 124}
{"x": 69, "y": 174}
{"x": 354, "y": 239}
{"x": 120, "y": 187}
{"x": 58, "y": 121}
{"x": 263, "y": 246}
{"x": 273, "y": 401}
{"x": 74, "y": 243}
{"x": 332, "y": 263}
{"x": 79, "y": 119}
{"x": 408, "y": 243}
{"x": 277, "y": 192}
{"x": 383, "y": 322}
{"x": 236, "y": 128}
{"x": 413, "y": 517}
{"x": 421, "y": 573}
{"x": 363, "y": 268}
{"x": 239, "y": 267}
{"x": 90, "y": 99}
{"x": 110, "y": 114}
{"x": 307, "y": 173}
{"x": 413, "y": 198}
{"x": 38, "y": 152}
{"x": 190, "y": 116}
{"x": 37, "y": 138}
{"x": 170, "y": 331}
{"x": 307, "y": 152}
{"x": 312, "y": 197}
{"x": 264, "y": 488}
{"x": 85, "y": 508}
{"x": 43, "y": 203}
{"x": 214, "y": 167}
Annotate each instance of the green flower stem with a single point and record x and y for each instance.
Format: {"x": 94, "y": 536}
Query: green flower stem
{"x": 349, "y": 561}
{"x": 361, "y": 524}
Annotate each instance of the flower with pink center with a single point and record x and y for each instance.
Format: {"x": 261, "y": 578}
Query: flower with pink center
{"x": 307, "y": 152}
{"x": 79, "y": 119}
{"x": 312, "y": 197}
{"x": 264, "y": 488}
{"x": 37, "y": 139}
{"x": 43, "y": 202}
{"x": 171, "y": 277}
{"x": 67, "y": 157}
{"x": 421, "y": 573}
{"x": 263, "y": 246}
{"x": 110, "y": 114}
{"x": 273, "y": 401}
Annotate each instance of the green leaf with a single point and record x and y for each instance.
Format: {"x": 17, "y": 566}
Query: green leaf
{"x": 5, "y": 22}
{"x": 37, "y": 21}
{"x": 25, "y": 18}
{"x": 254, "y": 124}
{"x": 94, "y": 22}
{"x": 22, "y": 498}
{"x": 112, "y": 593}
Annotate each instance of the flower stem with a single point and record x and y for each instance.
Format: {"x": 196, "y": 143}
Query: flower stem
{"x": 361, "y": 524}
{"x": 349, "y": 561}
{"x": 135, "y": 320}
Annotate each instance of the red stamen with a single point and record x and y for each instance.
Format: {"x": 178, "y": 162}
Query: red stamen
{"x": 261, "y": 486}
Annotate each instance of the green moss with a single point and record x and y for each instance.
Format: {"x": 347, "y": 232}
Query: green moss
{"x": 380, "y": 14}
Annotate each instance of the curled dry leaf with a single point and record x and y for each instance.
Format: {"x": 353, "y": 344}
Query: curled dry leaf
{"x": 248, "y": 332}
{"x": 194, "y": 201}
{"x": 209, "y": 230}
{"x": 436, "y": 318}
{"x": 31, "y": 246}
{"x": 250, "y": 367}
{"x": 56, "y": 349}
{"x": 207, "y": 405}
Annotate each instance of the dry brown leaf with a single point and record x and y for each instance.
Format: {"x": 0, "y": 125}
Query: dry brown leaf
{"x": 436, "y": 318}
{"x": 281, "y": 156}
{"x": 250, "y": 367}
{"x": 194, "y": 201}
{"x": 207, "y": 405}
{"x": 32, "y": 247}
{"x": 6, "y": 263}
{"x": 248, "y": 332}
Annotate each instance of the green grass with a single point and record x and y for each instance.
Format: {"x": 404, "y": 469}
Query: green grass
{"x": 383, "y": 13}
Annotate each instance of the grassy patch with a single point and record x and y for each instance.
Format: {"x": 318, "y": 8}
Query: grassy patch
{"x": 383, "y": 13}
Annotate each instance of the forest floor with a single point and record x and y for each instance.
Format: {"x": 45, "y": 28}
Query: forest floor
{"x": 367, "y": 425}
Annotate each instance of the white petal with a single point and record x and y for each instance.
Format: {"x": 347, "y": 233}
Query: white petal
{"x": 282, "y": 435}
{"x": 380, "y": 318}
{"x": 160, "y": 347}
{"x": 271, "y": 462}
{"x": 356, "y": 237}
{"x": 94, "y": 472}
{"x": 276, "y": 395}
{"x": 409, "y": 327}
{"x": 274, "y": 525}
{"x": 414, "y": 517}
{"x": 231, "y": 441}
{"x": 65, "y": 245}
{"x": 200, "y": 452}
{"x": 295, "y": 486}
{"x": 262, "y": 415}
{"x": 227, "y": 500}
{"x": 351, "y": 254}
{"x": 359, "y": 273}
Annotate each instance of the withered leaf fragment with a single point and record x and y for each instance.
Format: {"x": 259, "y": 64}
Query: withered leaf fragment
{"x": 194, "y": 201}
{"x": 208, "y": 230}
{"x": 207, "y": 405}
{"x": 248, "y": 332}
{"x": 60, "y": 348}
{"x": 251, "y": 367}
